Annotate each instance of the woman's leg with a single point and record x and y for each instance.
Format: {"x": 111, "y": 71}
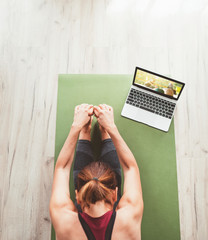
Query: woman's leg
{"x": 109, "y": 156}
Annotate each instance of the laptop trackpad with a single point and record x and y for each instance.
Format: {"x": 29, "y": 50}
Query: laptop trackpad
{"x": 144, "y": 116}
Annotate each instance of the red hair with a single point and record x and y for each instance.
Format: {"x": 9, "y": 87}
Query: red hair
{"x": 96, "y": 182}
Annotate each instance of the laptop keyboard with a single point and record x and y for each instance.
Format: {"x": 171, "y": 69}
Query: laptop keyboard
{"x": 150, "y": 103}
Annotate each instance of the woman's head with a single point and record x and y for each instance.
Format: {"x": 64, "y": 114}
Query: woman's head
{"x": 96, "y": 182}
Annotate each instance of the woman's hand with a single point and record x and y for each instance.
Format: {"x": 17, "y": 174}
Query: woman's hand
{"x": 82, "y": 115}
{"x": 104, "y": 115}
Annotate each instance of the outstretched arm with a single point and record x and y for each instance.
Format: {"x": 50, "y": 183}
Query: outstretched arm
{"x": 60, "y": 196}
{"x": 132, "y": 192}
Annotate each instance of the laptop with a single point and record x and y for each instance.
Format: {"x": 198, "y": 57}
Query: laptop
{"x": 152, "y": 99}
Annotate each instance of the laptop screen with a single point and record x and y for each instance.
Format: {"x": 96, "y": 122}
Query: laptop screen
{"x": 157, "y": 83}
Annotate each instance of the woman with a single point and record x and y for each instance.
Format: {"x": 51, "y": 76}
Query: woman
{"x": 100, "y": 212}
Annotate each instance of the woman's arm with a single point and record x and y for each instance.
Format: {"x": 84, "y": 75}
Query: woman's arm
{"x": 132, "y": 192}
{"x": 60, "y": 196}
{"x": 66, "y": 154}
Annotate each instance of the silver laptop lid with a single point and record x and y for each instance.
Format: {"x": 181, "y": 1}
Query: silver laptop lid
{"x": 156, "y": 83}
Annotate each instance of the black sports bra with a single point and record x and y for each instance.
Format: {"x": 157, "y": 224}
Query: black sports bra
{"x": 88, "y": 230}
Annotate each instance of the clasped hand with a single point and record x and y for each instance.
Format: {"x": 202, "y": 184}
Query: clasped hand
{"x": 103, "y": 113}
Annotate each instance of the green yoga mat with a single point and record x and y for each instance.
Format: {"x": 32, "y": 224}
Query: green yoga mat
{"x": 153, "y": 149}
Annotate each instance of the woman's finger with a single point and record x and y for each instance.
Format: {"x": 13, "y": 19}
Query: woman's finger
{"x": 101, "y": 106}
{"x": 90, "y": 110}
{"x": 88, "y": 106}
{"x": 96, "y": 110}
{"x": 77, "y": 107}
{"x": 110, "y": 108}
{"x": 84, "y": 105}
{"x": 107, "y": 107}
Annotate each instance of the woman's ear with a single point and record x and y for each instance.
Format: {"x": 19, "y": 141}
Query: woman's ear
{"x": 76, "y": 195}
{"x": 115, "y": 193}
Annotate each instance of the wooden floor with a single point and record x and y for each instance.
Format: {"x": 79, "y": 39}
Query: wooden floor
{"x": 40, "y": 39}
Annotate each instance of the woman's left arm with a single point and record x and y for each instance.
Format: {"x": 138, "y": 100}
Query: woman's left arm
{"x": 60, "y": 196}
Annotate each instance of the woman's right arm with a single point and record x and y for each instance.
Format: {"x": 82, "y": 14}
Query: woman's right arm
{"x": 132, "y": 191}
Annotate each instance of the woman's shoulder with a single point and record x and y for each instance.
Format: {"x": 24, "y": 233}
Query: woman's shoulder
{"x": 127, "y": 224}
{"x": 126, "y": 211}
{"x": 69, "y": 226}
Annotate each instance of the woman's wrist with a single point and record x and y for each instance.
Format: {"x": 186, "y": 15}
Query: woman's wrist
{"x": 76, "y": 127}
{"x": 111, "y": 128}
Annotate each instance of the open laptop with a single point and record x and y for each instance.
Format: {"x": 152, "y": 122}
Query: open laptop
{"x": 152, "y": 99}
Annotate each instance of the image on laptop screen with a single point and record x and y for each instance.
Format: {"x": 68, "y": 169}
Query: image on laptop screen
{"x": 158, "y": 84}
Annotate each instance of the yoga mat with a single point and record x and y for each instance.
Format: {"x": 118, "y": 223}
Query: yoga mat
{"x": 153, "y": 149}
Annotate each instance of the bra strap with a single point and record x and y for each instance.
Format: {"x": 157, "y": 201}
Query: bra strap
{"x": 109, "y": 229}
{"x": 86, "y": 228}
